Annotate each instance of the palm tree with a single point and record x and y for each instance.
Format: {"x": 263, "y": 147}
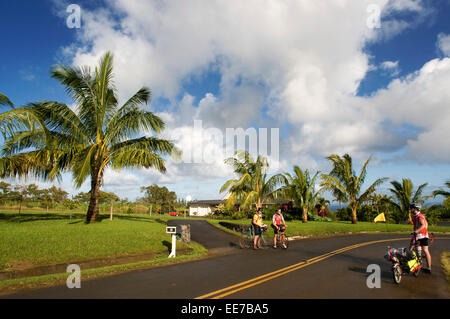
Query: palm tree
{"x": 48, "y": 138}
{"x": 404, "y": 195}
{"x": 345, "y": 185}
{"x": 5, "y": 101}
{"x": 300, "y": 188}
{"x": 322, "y": 204}
{"x": 253, "y": 186}
{"x": 442, "y": 192}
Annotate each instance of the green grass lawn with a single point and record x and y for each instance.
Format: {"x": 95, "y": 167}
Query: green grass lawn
{"x": 445, "y": 261}
{"x": 31, "y": 238}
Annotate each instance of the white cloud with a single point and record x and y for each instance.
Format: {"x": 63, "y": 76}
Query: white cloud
{"x": 281, "y": 62}
{"x": 443, "y": 43}
{"x": 118, "y": 179}
{"x": 394, "y": 20}
{"x": 391, "y": 67}
{"x": 421, "y": 100}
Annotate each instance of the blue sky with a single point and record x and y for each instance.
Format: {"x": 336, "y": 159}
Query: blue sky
{"x": 315, "y": 71}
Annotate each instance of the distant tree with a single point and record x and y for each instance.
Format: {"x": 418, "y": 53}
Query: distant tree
{"x": 5, "y": 189}
{"x": 19, "y": 194}
{"x": 300, "y": 187}
{"x": 346, "y": 186}
{"x": 155, "y": 194}
{"x": 252, "y": 187}
{"x": 58, "y": 194}
{"x": 404, "y": 194}
{"x": 33, "y": 192}
{"x": 46, "y": 199}
{"x": 103, "y": 197}
{"x": 442, "y": 192}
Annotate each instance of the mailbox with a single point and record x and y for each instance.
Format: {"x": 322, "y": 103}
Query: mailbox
{"x": 171, "y": 230}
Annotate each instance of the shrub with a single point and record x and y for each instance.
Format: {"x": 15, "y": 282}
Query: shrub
{"x": 433, "y": 213}
{"x": 344, "y": 214}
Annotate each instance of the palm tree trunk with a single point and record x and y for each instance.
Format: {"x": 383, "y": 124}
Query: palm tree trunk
{"x": 93, "y": 209}
{"x": 305, "y": 215}
{"x": 354, "y": 216}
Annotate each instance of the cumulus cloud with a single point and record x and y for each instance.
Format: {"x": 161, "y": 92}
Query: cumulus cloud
{"x": 443, "y": 43}
{"x": 281, "y": 63}
{"x": 422, "y": 100}
{"x": 391, "y": 67}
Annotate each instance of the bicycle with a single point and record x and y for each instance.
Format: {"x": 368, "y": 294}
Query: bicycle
{"x": 418, "y": 248}
{"x": 405, "y": 260}
{"x": 282, "y": 240}
{"x": 246, "y": 240}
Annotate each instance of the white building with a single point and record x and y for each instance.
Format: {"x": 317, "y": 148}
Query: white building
{"x": 204, "y": 207}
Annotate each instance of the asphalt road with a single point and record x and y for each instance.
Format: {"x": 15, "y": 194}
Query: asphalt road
{"x": 310, "y": 268}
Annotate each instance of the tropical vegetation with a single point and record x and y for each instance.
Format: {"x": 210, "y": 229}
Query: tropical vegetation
{"x": 300, "y": 187}
{"x": 346, "y": 186}
{"x": 404, "y": 194}
{"x": 441, "y": 192}
{"x": 47, "y": 138}
{"x": 5, "y": 101}
{"x": 252, "y": 187}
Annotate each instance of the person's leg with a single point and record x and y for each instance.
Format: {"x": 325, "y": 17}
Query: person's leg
{"x": 283, "y": 239}
{"x": 427, "y": 256}
{"x": 255, "y": 241}
{"x": 274, "y": 238}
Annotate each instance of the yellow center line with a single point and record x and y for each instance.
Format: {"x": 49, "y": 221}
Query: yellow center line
{"x": 275, "y": 274}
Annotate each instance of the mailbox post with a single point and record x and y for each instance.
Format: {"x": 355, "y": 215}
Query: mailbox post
{"x": 173, "y": 231}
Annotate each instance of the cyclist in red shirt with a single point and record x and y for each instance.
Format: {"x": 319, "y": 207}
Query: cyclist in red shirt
{"x": 421, "y": 232}
{"x": 278, "y": 225}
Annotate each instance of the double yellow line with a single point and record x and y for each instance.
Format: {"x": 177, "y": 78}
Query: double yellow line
{"x": 283, "y": 271}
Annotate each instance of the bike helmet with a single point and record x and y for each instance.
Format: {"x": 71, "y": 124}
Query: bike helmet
{"x": 415, "y": 206}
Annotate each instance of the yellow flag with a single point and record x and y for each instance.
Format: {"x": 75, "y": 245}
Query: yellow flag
{"x": 380, "y": 219}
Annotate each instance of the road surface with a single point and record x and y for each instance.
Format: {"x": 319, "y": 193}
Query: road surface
{"x": 333, "y": 267}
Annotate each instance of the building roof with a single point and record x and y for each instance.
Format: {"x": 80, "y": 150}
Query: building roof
{"x": 211, "y": 202}
{"x": 215, "y": 202}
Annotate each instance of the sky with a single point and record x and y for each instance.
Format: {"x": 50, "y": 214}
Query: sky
{"x": 368, "y": 78}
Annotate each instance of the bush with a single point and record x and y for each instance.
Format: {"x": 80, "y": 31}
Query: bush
{"x": 242, "y": 214}
{"x": 344, "y": 214}
{"x": 446, "y": 208}
{"x": 433, "y": 213}
{"x": 316, "y": 218}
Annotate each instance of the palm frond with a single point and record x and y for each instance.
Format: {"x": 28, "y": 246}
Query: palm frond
{"x": 5, "y": 101}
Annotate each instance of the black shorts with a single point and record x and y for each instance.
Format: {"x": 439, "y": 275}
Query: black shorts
{"x": 257, "y": 230}
{"x": 423, "y": 242}
{"x": 281, "y": 229}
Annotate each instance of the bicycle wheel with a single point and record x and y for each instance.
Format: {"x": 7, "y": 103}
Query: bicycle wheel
{"x": 397, "y": 273}
{"x": 285, "y": 242}
{"x": 264, "y": 245}
{"x": 246, "y": 241}
{"x": 417, "y": 272}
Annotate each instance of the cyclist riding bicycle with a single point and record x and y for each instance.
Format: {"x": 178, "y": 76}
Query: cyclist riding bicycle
{"x": 279, "y": 226}
{"x": 420, "y": 232}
